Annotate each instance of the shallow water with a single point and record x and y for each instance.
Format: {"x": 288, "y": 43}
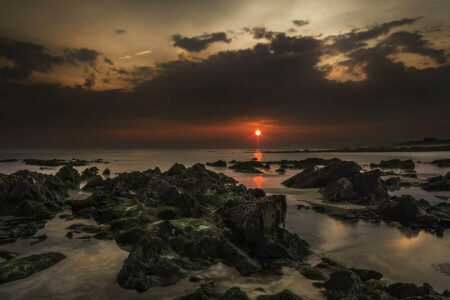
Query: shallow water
{"x": 91, "y": 266}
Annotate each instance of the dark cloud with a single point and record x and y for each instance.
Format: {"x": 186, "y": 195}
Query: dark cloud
{"x": 278, "y": 80}
{"x": 82, "y": 55}
{"x": 121, "y": 71}
{"x": 414, "y": 42}
{"x": 108, "y": 61}
{"x": 120, "y": 31}
{"x": 199, "y": 43}
{"x": 89, "y": 81}
{"x": 260, "y": 32}
{"x": 357, "y": 39}
{"x": 300, "y": 23}
{"x": 27, "y": 58}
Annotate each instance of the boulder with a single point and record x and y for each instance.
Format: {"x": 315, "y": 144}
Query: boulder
{"x": 219, "y": 163}
{"x": 410, "y": 290}
{"x": 319, "y": 177}
{"x": 69, "y": 176}
{"x": 395, "y": 164}
{"x": 405, "y": 209}
{"x": 345, "y": 282}
{"x": 339, "y": 191}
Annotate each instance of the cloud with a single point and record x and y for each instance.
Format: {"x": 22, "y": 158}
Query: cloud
{"x": 108, "y": 61}
{"x": 414, "y": 42}
{"x": 82, "y": 55}
{"x": 89, "y": 81}
{"x": 125, "y": 57}
{"x": 277, "y": 80}
{"x": 120, "y": 31}
{"x": 300, "y": 23}
{"x": 144, "y": 52}
{"x": 357, "y": 39}
{"x": 27, "y": 58}
{"x": 199, "y": 43}
{"x": 260, "y": 32}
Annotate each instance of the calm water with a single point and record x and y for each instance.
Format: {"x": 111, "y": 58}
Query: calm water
{"x": 90, "y": 268}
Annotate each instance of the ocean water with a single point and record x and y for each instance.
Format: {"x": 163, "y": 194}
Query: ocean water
{"x": 91, "y": 266}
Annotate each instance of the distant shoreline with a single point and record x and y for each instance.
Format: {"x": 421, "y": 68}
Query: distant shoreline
{"x": 363, "y": 150}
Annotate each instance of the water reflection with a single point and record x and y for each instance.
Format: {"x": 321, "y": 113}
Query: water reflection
{"x": 258, "y": 181}
{"x": 258, "y": 156}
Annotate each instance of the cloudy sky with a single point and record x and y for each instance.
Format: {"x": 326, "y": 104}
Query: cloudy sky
{"x": 207, "y": 73}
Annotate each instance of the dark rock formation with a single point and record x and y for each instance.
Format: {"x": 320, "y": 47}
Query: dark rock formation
{"x": 21, "y": 267}
{"x": 69, "y": 176}
{"x": 438, "y": 183}
{"x": 315, "y": 177}
{"x": 88, "y": 173}
{"x": 395, "y": 164}
{"x": 219, "y": 163}
{"x": 247, "y": 167}
{"x": 442, "y": 163}
{"x": 344, "y": 282}
{"x": 406, "y": 209}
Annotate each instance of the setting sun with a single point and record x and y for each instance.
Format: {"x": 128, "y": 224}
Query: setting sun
{"x": 257, "y": 132}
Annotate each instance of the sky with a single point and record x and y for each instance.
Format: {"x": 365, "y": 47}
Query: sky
{"x": 208, "y": 73}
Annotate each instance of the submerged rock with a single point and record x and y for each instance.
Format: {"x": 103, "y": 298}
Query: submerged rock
{"x": 345, "y": 282}
{"x": 248, "y": 167}
{"x": 438, "y": 183}
{"x": 21, "y": 267}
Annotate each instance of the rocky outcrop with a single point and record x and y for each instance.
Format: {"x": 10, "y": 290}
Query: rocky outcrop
{"x": 395, "y": 164}
{"x": 438, "y": 183}
{"x": 406, "y": 209}
{"x": 187, "y": 219}
{"x": 24, "y": 266}
{"x": 219, "y": 163}
{"x": 69, "y": 176}
{"x": 320, "y": 177}
{"x": 27, "y": 199}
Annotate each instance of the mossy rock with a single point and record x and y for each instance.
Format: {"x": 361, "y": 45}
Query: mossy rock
{"x": 131, "y": 236}
{"x": 94, "y": 183}
{"x": 374, "y": 285}
{"x": 284, "y": 295}
{"x": 21, "y": 267}
{"x": 167, "y": 213}
{"x": 124, "y": 223}
{"x": 365, "y": 274}
{"x": 107, "y": 172}
{"x": 219, "y": 163}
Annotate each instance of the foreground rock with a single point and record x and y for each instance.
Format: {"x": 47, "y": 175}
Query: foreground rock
{"x": 27, "y": 199}
{"x": 187, "y": 219}
{"x": 341, "y": 282}
{"x": 21, "y": 267}
{"x": 219, "y": 163}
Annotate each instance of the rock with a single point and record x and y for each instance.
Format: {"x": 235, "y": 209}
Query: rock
{"x": 345, "y": 282}
{"x": 405, "y": 290}
{"x": 365, "y": 274}
{"x": 405, "y": 209}
{"x": 93, "y": 183}
{"x": 168, "y": 213}
{"x": 256, "y": 222}
{"x": 361, "y": 188}
{"x": 194, "y": 279}
{"x": 280, "y": 170}
{"x": 393, "y": 183}
{"x": 106, "y": 172}
{"x": 339, "y": 191}
{"x": 24, "y": 266}
{"x": 8, "y": 254}
{"x": 248, "y": 167}
{"x": 438, "y": 183}
{"x": 395, "y": 164}
{"x": 176, "y": 169}
{"x": 315, "y": 177}
{"x": 69, "y": 176}
{"x": 219, "y": 163}
{"x": 374, "y": 285}
{"x": 234, "y": 293}
{"x": 284, "y": 295}
{"x": 441, "y": 163}
{"x": 89, "y": 173}
{"x": 313, "y": 273}
{"x": 257, "y": 193}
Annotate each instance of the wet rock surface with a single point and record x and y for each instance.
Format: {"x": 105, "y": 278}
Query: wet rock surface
{"x": 185, "y": 220}
{"x": 395, "y": 164}
{"x": 21, "y": 267}
{"x": 27, "y": 199}
{"x": 438, "y": 183}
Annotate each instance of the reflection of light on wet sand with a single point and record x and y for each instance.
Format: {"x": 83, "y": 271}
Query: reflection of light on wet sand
{"x": 258, "y": 180}
{"x": 258, "y": 156}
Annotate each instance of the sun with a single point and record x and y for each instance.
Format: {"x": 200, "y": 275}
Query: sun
{"x": 257, "y": 132}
